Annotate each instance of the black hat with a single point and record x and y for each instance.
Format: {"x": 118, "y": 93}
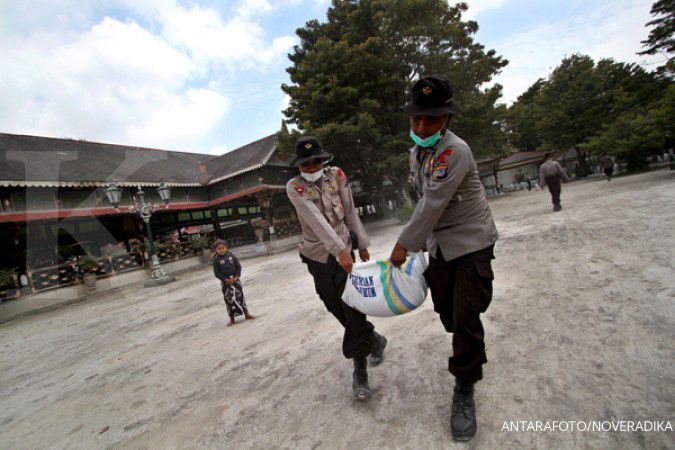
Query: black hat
{"x": 219, "y": 242}
{"x": 308, "y": 148}
{"x": 431, "y": 95}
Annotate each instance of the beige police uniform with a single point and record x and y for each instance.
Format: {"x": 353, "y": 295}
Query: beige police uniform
{"x": 551, "y": 170}
{"x": 455, "y": 223}
{"x": 453, "y": 212}
{"x": 326, "y": 213}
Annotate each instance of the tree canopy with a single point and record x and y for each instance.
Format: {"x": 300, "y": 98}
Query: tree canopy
{"x": 350, "y": 74}
{"x": 580, "y": 101}
{"x": 661, "y": 37}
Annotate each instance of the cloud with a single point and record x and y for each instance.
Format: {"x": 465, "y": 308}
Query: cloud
{"x": 478, "y": 6}
{"x": 249, "y": 8}
{"x": 238, "y": 43}
{"x": 151, "y": 77}
{"x": 179, "y": 119}
{"x": 609, "y": 30}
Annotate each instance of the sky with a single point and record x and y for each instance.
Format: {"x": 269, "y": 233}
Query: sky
{"x": 204, "y": 76}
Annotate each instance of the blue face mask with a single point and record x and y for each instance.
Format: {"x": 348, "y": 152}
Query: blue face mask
{"x": 426, "y": 142}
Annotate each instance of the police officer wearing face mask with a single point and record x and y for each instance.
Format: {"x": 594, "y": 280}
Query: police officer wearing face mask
{"x": 453, "y": 222}
{"x": 323, "y": 200}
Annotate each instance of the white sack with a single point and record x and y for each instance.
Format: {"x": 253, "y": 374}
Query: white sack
{"x": 377, "y": 288}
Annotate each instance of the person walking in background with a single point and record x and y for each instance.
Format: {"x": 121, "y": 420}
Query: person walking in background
{"x": 607, "y": 166}
{"x": 551, "y": 174}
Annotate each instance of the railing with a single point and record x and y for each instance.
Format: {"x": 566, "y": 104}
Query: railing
{"x": 127, "y": 262}
{"x": 287, "y": 228}
{"x": 69, "y": 274}
{"x": 53, "y": 276}
{"x": 172, "y": 252}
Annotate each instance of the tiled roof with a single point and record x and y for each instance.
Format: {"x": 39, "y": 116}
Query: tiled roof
{"x": 249, "y": 157}
{"x": 43, "y": 161}
{"x": 520, "y": 158}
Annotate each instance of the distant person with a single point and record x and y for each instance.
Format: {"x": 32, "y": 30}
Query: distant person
{"x": 607, "y": 166}
{"x": 227, "y": 269}
{"x": 322, "y": 197}
{"x": 550, "y": 174}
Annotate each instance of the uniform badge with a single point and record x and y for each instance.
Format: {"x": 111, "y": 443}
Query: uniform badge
{"x": 440, "y": 171}
{"x": 310, "y": 193}
{"x": 426, "y": 90}
{"x": 308, "y": 145}
{"x": 300, "y": 189}
{"x": 442, "y": 158}
{"x": 231, "y": 259}
{"x": 222, "y": 261}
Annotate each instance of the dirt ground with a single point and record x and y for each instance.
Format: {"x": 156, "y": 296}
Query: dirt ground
{"x": 581, "y": 327}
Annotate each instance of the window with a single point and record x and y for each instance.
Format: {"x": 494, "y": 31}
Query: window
{"x": 90, "y": 226}
{"x": 198, "y": 215}
{"x": 253, "y": 209}
{"x": 242, "y": 210}
{"x": 207, "y": 213}
{"x": 167, "y": 218}
{"x": 223, "y": 212}
{"x": 184, "y": 217}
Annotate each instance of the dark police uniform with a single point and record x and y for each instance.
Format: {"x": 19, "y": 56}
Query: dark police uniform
{"x": 228, "y": 266}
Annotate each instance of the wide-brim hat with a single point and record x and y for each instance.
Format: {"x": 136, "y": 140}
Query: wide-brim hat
{"x": 308, "y": 148}
{"x": 431, "y": 95}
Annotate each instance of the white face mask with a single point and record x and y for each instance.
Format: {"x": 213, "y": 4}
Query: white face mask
{"x": 312, "y": 177}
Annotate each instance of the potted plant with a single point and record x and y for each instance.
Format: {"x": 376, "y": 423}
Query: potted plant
{"x": 200, "y": 246}
{"x": 8, "y": 287}
{"x": 88, "y": 266}
{"x": 259, "y": 225}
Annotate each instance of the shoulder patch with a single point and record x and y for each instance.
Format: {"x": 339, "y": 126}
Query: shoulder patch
{"x": 299, "y": 189}
{"x": 340, "y": 173}
{"x": 444, "y": 156}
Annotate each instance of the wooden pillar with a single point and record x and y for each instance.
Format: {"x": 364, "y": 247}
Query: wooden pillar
{"x": 216, "y": 222}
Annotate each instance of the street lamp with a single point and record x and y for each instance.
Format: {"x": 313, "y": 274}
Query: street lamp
{"x": 145, "y": 210}
{"x": 164, "y": 193}
{"x": 114, "y": 194}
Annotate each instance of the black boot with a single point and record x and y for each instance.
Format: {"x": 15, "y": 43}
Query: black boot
{"x": 379, "y": 343}
{"x": 463, "y": 416}
{"x": 360, "y": 386}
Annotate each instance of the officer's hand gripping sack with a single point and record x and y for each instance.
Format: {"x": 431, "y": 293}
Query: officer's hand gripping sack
{"x": 378, "y": 288}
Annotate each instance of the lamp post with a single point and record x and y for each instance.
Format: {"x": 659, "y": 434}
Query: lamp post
{"x": 145, "y": 210}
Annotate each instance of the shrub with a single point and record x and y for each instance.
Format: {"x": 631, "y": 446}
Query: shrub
{"x": 87, "y": 264}
{"x": 404, "y": 213}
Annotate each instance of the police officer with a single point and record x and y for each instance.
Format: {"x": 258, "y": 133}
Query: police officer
{"x": 452, "y": 220}
{"x": 607, "y": 165}
{"x": 551, "y": 173}
{"x": 324, "y": 204}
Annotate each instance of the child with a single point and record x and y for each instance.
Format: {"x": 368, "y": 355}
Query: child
{"x": 227, "y": 269}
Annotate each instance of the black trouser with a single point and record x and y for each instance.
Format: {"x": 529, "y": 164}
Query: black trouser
{"x": 553, "y": 184}
{"x": 461, "y": 290}
{"x": 609, "y": 171}
{"x": 329, "y": 282}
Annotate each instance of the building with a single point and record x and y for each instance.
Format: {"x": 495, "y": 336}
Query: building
{"x": 53, "y": 207}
